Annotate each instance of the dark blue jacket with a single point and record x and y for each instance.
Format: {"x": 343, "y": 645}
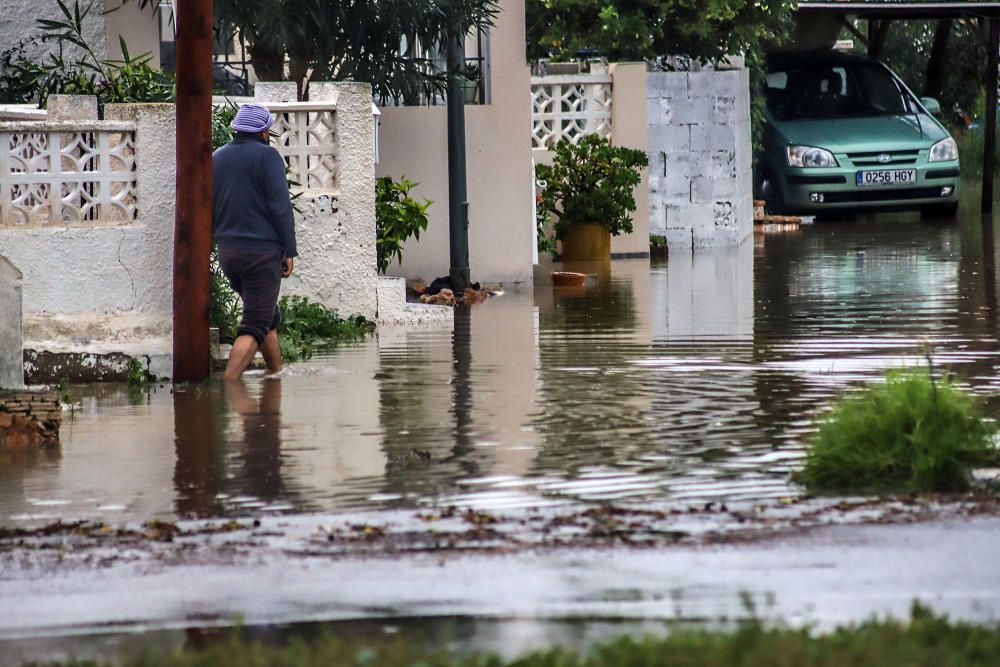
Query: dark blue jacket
{"x": 250, "y": 203}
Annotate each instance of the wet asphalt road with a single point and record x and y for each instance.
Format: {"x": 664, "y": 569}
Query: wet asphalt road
{"x": 824, "y": 577}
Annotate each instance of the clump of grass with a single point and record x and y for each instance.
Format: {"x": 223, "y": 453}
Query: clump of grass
{"x": 914, "y": 433}
{"x": 928, "y": 640}
{"x": 307, "y": 325}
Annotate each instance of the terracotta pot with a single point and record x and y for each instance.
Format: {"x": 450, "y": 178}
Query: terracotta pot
{"x": 586, "y": 241}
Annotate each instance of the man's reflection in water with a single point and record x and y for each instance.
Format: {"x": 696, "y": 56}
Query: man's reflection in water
{"x": 261, "y": 437}
{"x": 202, "y": 416}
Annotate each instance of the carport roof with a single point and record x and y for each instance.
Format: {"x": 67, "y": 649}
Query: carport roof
{"x": 902, "y": 8}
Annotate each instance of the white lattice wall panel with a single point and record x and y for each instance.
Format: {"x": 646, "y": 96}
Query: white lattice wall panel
{"x": 304, "y": 134}
{"x": 568, "y": 107}
{"x": 67, "y": 174}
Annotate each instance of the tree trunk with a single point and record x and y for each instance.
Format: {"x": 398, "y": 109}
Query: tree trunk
{"x": 878, "y": 31}
{"x": 268, "y": 64}
{"x": 297, "y": 68}
{"x": 936, "y": 62}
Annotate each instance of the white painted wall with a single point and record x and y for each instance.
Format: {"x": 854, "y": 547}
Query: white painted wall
{"x": 414, "y": 143}
{"x": 335, "y": 227}
{"x": 700, "y": 184}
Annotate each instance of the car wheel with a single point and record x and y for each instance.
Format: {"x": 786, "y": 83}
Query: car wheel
{"x": 944, "y": 212}
{"x": 770, "y": 192}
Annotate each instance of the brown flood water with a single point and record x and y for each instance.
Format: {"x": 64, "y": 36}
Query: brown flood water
{"x": 690, "y": 380}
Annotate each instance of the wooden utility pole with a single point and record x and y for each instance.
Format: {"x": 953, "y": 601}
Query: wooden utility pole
{"x": 193, "y": 222}
{"x": 990, "y": 117}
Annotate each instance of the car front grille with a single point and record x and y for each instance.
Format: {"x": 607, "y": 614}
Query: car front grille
{"x": 880, "y": 195}
{"x": 895, "y": 158}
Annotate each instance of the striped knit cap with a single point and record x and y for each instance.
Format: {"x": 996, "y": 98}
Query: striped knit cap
{"x": 252, "y": 117}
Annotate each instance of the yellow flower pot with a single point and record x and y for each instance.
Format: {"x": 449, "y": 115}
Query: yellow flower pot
{"x": 586, "y": 241}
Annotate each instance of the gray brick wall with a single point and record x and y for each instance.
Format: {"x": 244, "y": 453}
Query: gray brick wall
{"x": 700, "y": 184}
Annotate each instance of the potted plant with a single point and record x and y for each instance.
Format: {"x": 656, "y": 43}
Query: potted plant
{"x": 589, "y": 190}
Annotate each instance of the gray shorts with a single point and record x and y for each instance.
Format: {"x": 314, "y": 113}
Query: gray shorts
{"x": 256, "y": 276}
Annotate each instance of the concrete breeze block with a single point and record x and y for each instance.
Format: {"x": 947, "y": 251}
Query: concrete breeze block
{"x": 666, "y": 84}
{"x": 700, "y": 168}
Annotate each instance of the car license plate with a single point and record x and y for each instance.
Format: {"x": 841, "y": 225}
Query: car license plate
{"x": 887, "y": 177}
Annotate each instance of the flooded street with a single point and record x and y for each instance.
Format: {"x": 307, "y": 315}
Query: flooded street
{"x": 679, "y": 389}
{"x": 686, "y": 381}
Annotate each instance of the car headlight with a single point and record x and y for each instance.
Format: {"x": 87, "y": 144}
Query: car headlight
{"x": 946, "y": 149}
{"x": 808, "y": 156}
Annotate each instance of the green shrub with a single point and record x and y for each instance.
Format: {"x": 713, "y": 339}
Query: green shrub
{"x": 397, "y": 217}
{"x": 591, "y": 181}
{"x": 130, "y": 79}
{"x": 913, "y": 433}
{"x": 225, "y": 306}
{"x": 307, "y": 325}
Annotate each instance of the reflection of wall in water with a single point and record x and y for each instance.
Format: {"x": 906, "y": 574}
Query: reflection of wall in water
{"x": 126, "y": 461}
{"x": 701, "y": 369}
{"x": 330, "y": 424}
{"x": 591, "y": 403}
{"x": 707, "y": 293}
{"x": 452, "y": 404}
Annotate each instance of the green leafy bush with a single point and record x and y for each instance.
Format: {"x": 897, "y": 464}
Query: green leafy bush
{"x": 131, "y": 79}
{"x": 591, "y": 181}
{"x": 307, "y": 325}
{"x": 397, "y": 217}
{"x": 913, "y": 433}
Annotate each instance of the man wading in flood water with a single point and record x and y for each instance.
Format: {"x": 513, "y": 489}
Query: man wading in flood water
{"x": 254, "y": 228}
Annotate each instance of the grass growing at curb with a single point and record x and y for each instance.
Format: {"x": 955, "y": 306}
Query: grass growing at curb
{"x": 307, "y": 325}
{"x": 926, "y": 641}
{"x": 914, "y": 433}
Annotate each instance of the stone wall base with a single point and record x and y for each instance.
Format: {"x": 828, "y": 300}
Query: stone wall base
{"x": 45, "y": 367}
{"x": 29, "y": 421}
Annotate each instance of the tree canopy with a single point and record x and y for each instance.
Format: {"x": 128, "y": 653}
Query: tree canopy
{"x": 704, "y": 30}
{"x": 381, "y": 41}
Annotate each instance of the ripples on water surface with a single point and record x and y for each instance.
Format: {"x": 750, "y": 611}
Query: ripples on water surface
{"x": 686, "y": 381}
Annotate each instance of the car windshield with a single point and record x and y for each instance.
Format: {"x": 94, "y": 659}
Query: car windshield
{"x": 833, "y": 91}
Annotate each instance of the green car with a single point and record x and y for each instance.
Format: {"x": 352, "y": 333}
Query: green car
{"x": 844, "y": 135}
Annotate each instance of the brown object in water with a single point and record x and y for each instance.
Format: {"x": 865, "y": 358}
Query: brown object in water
{"x": 20, "y": 432}
{"x": 567, "y": 279}
{"x": 443, "y": 298}
{"x": 474, "y": 296}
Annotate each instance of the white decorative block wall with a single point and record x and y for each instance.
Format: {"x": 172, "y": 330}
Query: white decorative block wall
{"x": 88, "y": 216}
{"x": 700, "y": 185}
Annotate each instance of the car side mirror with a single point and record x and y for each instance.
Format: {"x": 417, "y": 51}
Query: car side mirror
{"x": 931, "y": 104}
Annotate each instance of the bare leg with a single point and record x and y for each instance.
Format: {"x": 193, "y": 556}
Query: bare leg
{"x": 244, "y": 348}
{"x": 271, "y": 349}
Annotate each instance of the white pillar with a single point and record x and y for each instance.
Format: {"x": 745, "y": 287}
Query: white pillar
{"x": 335, "y": 229}
{"x": 11, "y": 343}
